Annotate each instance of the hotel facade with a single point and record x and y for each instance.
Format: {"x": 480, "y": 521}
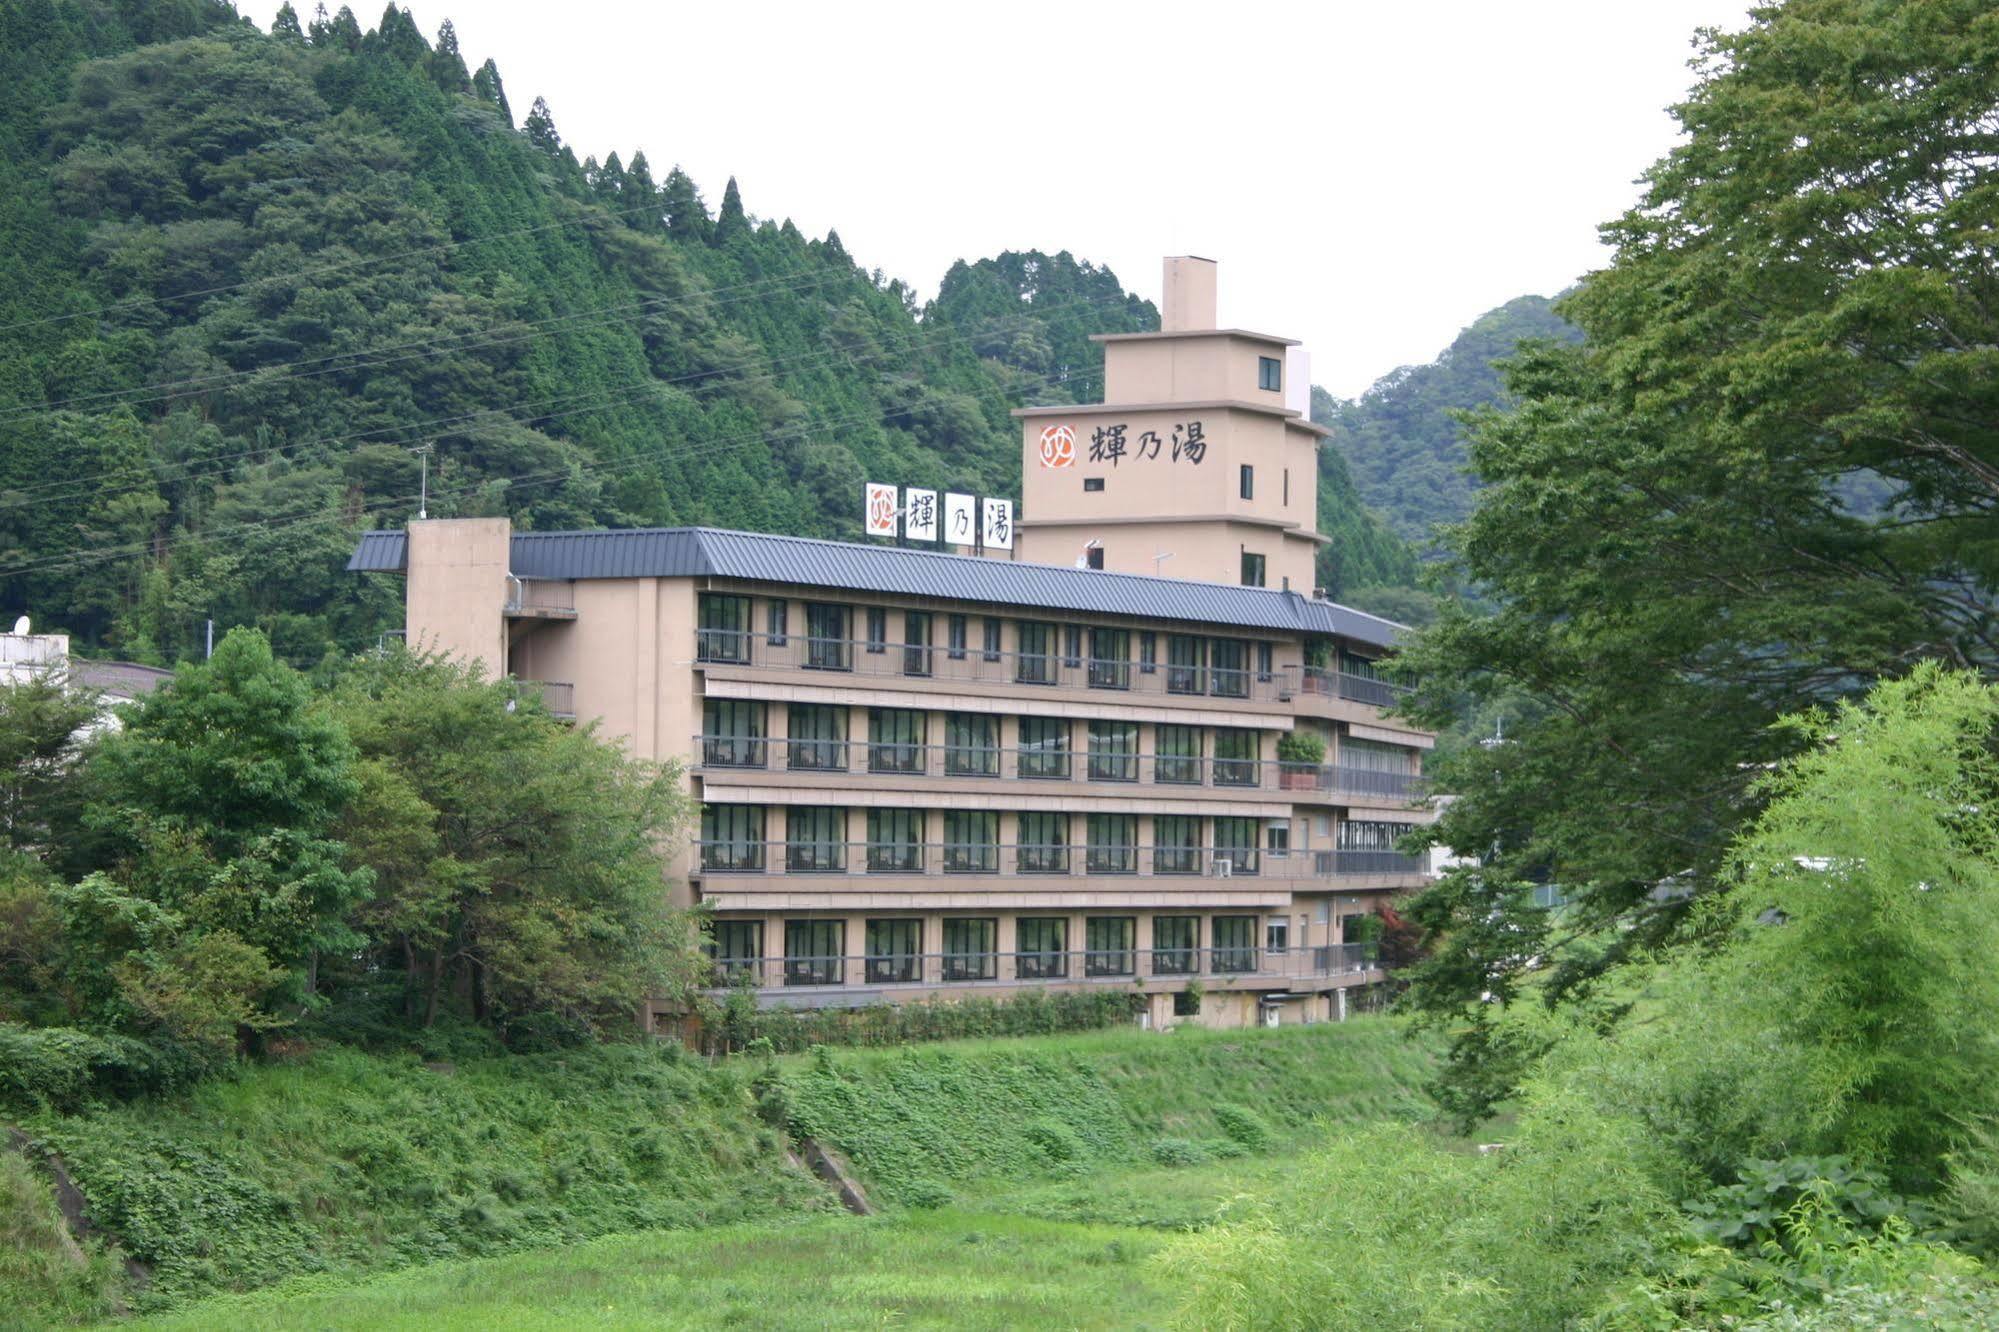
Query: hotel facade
{"x": 932, "y": 773}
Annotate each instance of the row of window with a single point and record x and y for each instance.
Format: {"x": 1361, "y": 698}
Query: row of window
{"x": 815, "y": 951}
{"x": 1192, "y": 663}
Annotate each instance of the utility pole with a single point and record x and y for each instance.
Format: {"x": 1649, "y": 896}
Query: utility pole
{"x": 423, "y": 484}
{"x": 210, "y": 650}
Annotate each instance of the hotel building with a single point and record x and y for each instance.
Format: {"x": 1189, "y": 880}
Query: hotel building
{"x": 925, "y": 774}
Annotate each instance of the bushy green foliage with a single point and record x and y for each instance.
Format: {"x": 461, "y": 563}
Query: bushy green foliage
{"x": 61, "y": 1068}
{"x": 736, "y": 1022}
{"x": 45, "y": 1275}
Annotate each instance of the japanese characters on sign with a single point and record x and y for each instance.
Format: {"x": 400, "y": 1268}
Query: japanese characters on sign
{"x": 919, "y": 514}
{"x": 1114, "y": 443}
{"x": 881, "y": 510}
{"x": 960, "y": 525}
{"x": 999, "y": 524}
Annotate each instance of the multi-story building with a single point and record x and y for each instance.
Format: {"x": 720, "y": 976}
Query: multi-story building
{"x": 925, "y": 774}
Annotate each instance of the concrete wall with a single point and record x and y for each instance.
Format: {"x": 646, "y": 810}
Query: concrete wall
{"x": 457, "y": 585}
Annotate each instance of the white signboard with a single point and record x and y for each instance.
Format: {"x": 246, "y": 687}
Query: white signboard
{"x": 960, "y": 519}
{"x": 999, "y": 524}
{"x": 919, "y": 514}
{"x": 881, "y": 510}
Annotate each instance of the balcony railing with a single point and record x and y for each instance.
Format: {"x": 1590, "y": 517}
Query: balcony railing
{"x": 559, "y": 697}
{"x": 976, "y": 666}
{"x": 1355, "y": 688}
{"x": 873, "y": 970}
{"x": 529, "y": 597}
{"x": 1028, "y": 860}
{"x": 1327, "y": 864}
{"x": 990, "y": 762}
{"x": 1368, "y": 782}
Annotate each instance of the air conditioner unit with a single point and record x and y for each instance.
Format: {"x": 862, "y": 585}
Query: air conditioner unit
{"x": 1224, "y": 867}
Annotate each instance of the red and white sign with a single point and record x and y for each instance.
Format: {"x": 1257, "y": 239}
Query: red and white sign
{"x": 1058, "y": 446}
{"x": 881, "y": 510}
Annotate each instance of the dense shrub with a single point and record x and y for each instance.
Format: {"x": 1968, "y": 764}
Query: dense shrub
{"x": 1179, "y": 1152}
{"x": 737, "y": 1021}
{"x": 61, "y": 1068}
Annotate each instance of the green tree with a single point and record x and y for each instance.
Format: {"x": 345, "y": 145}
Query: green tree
{"x": 41, "y": 725}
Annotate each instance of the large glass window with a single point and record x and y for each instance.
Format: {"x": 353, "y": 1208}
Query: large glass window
{"x": 1176, "y": 844}
{"x": 1252, "y": 566}
{"x": 826, "y": 637}
{"x": 1110, "y": 945}
{"x": 895, "y": 951}
{"x": 1235, "y": 757}
{"x": 778, "y": 617}
{"x": 732, "y": 838}
{"x": 1186, "y": 664}
{"x": 877, "y": 630}
{"x": 1178, "y": 756}
{"x": 895, "y": 841}
{"x": 1035, "y": 661}
{"x": 732, "y": 733}
{"x": 1266, "y": 656}
{"x": 1370, "y": 836}
{"x": 1176, "y": 945}
{"x": 1376, "y": 756}
{"x": 736, "y": 947}
{"x": 817, "y": 737}
{"x": 723, "y": 628}
{"x": 1228, "y": 659}
{"x": 1044, "y": 747}
{"x": 991, "y": 629}
{"x": 815, "y": 839}
{"x": 1237, "y": 842}
{"x": 1113, "y": 751}
{"x": 971, "y": 948}
{"x": 1113, "y": 844}
{"x": 1041, "y": 947}
{"x": 895, "y": 740}
{"x": 1235, "y": 943}
{"x": 1043, "y": 846}
{"x": 971, "y": 841}
{"x": 1072, "y": 645}
{"x": 971, "y": 744}
{"x": 957, "y": 631}
{"x": 814, "y": 952}
{"x": 916, "y": 643}
{"x": 1148, "y": 652}
{"x": 1110, "y": 659}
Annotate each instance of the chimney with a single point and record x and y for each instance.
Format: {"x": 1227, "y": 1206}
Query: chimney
{"x": 1188, "y": 295}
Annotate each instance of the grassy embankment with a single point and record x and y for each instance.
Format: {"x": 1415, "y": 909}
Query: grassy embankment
{"x": 345, "y": 1164}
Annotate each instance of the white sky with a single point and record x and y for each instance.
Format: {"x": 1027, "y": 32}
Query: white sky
{"x": 1372, "y": 177}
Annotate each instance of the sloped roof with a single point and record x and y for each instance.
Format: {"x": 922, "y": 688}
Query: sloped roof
{"x": 706, "y": 552}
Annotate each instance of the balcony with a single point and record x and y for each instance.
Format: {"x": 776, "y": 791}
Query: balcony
{"x": 1348, "y": 864}
{"x": 557, "y": 696}
{"x": 948, "y": 860}
{"x": 1338, "y": 779}
{"x": 539, "y": 599}
{"x": 720, "y": 755}
{"x": 884, "y": 662}
{"x": 1326, "y": 682}
{"x": 783, "y": 980}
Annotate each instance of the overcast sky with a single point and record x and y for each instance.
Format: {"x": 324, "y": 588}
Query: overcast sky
{"x": 1372, "y": 177}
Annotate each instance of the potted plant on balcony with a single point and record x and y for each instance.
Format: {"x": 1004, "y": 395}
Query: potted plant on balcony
{"x": 1299, "y": 754}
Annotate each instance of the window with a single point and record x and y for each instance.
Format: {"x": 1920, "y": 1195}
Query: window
{"x": 1246, "y": 481}
{"x": 971, "y": 841}
{"x": 971, "y": 745}
{"x": 826, "y": 637}
{"x": 1270, "y": 374}
{"x": 1113, "y": 751}
{"x": 1072, "y": 645}
{"x": 1186, "y": 662}
{"x": 815, "y": 839}
{"x": 1113, "y": 844}
{"x": 895, "y": 740}
{"x": 1276, "y": 936}
{"x": 1148, "y": 652}
{"x": 877, "y": 631}
{"x": 1285, "y": 475}
{"x": 916, "y": 643}
{"x": 1093, "y": 557}
{"x": 1176, "y": 945}
{"x": 1110, "y": 945}
{"x": 971, "y": 949}
{"x": 1376, "y": 756}
{"x": 1044, "y": 747}
{"x": 1235, "y": 757}
{"x": 1235, "y": 943}
{"x": 1110, "y": 659}
{"x": 724, "y": 628}
{"x": 1277, "y": 839}
{"x": 1092, "y": 484}
{"x": 1043, "y": 847}
{"x": 1265, "y": 662}
{"x": 1186, "y": 1003}
{"x": 732, "y": 838}
{"x": 1034, "y": 664}
{"x": 957, "y": 629}
{"x": 991, "y": 629}
{"x": 895, "y": 841}
{"x": 1252, "y": 569}
{"x": 736, "y": 947}
{"x": 1041, "y": 947}
{"x": 1235, "y": 842}
{"x": 818, "y": 738}
{"x": 732, "y": 733}
{"x": 813, "y": 952}
{"x": 1230, "y": 659}
{"x": 895, "y": 951}
{"x": 1178, "y": 756}
{"x": 778, "y": 615}
{"x": 1365, "y": 836}
{"x": 1176, "y": 844}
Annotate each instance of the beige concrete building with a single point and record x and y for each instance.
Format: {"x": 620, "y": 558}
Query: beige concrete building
{"x": 925, "y": 774}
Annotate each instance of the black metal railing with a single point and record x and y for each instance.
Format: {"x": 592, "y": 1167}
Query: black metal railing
{"x": 975, "y": 967}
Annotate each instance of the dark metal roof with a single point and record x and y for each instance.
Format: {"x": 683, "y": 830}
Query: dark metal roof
{"x": 705, "y": 552}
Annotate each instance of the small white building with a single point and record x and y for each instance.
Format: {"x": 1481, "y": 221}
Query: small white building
{"x": 26, "y": 656}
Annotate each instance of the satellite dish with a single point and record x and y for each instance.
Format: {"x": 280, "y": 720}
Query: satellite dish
{"x": 21, "y": 625}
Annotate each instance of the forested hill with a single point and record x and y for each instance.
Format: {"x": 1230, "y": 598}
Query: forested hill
{"x": 245, "y": 277}
{"x": 1404, "y": 449}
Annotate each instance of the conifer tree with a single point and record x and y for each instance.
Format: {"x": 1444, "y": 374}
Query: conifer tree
{"x": 345, "y": 31}
{"x": 732, "y": 220}
{"x": 640, "y": 189}
{"x": 447, "y": 66}
{"x": 540, "y": 127}
{"x": 487, "y": 86}
{"x": 285, "y": 26}
{"x": 686, "y": 215}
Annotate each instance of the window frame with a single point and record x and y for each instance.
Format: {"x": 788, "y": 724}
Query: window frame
{"x": 1041, "y": 947}
{"x": 826, "y": 645}
{"x": 1042, "y": 845}
{"x": 974, "y": 955}
{"x": 1110, "y": 945}
{"x": 714, "y": 639}
{"x": 808, "y": 958}
{"x": 801, "y": 752}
